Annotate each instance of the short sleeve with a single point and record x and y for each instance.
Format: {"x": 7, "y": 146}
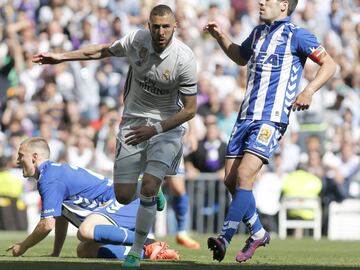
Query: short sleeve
{"x": 246, "y": 48}
{"x": 306, "y": 42}
{"x": 120, "y": 47}
{"x": 188, "y": 78}
{"x": 52, "y": 196}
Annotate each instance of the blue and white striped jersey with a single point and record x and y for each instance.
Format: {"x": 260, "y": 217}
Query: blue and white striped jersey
{"x": 79, "y": 190}
{"x": 276, "y": 55}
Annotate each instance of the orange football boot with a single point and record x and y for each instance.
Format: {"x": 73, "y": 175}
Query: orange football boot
{"x": 168, "y": 254}
{"x": 160, "y": 251}
{"x": 187, "y": 242}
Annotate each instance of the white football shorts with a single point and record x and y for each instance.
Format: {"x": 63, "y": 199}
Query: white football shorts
{"x": 159, "y": 156}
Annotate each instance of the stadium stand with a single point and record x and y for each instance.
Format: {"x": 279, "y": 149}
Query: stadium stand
{"x": 77, "y": 107}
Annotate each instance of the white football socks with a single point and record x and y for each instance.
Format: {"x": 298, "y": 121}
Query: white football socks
{"x": 144, "y": 221}
{"x": 259, "y": 234}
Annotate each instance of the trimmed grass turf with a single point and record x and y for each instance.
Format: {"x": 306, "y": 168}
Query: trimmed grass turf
{"x": 304, "y": 254}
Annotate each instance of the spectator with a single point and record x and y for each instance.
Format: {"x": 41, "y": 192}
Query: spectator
{"x": 12, "y": 209}
{"x": 227, "y": 117}
{"x": 212, "y": 106}
{"x": 335, "y": 16}
{"x": 81, "y": 151}
{"x": 78, "y": 92}
{"x": 314, "y": 164}
{"x": 50, "y": 102}
{"x": 224, "y": 84}
{"x": 290, "y": 152}
{"x": 301, "y": 184}
{"x": 210, "y": 155}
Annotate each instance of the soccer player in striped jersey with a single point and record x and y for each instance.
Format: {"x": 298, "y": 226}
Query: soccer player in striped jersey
{"x": 87, "y": 200}
{"x": 275, "y": 54}
{"x": 160, "y": 95}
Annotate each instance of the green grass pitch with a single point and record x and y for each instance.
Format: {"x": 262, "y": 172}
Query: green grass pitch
{"x": 289, "y": 254}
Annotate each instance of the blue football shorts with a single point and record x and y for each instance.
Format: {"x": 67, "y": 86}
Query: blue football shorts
{"x": 258, "y": 137}
{"x": 120, "y": 215}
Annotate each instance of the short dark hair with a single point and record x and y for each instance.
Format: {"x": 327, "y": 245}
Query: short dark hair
{"x": 292, "y": 6}
{"x": 161, "y": 10}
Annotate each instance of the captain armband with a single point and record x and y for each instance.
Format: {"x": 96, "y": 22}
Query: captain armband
{"x": 317, "y": 54}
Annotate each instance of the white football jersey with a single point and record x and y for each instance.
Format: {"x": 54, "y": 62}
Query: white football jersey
{"x": 155, "y": 80}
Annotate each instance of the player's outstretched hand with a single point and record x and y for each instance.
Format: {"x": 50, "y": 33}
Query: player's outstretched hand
{"x": 139, "y": 134}
{"x": 213, "y": 29}
{"x": 16, "y": 249}
{"x": 47, "y": 58}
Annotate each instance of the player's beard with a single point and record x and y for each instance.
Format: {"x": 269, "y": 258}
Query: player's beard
{"x": 160, "y": 49}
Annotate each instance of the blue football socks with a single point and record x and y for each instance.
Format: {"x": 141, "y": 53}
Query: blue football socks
{"x": 251, "y": 218}
{"x": 110, "y": 234}
{"x": 238, "y": 208}
{"x": 180, "y": 205}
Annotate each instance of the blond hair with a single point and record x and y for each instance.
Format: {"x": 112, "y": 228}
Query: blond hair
{"x": 38, "y": 145}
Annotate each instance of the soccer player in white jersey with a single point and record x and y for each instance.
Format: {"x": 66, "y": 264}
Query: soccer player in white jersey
{"x": 275, "y": 53}
{"x": 160, "y": 95}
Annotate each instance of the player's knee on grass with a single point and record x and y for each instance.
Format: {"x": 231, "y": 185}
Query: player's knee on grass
{"x": 87, "y": 249}
{"x": 80, "y": 250}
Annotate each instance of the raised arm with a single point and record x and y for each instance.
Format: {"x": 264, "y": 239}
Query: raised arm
{"x": 93, "y": 52}
{"x": 231, "y": 49}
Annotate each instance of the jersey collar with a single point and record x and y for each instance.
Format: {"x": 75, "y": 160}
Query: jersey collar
{"x": 275, "y": 24}
{"x": 42, "y": 166}
{"x": 285, "y": 20}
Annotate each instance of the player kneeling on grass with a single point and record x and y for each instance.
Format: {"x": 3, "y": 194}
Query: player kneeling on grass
{"x": 86, "y": 199}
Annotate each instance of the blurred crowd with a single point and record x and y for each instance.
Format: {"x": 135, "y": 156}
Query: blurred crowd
{"x": 77, "y": 106}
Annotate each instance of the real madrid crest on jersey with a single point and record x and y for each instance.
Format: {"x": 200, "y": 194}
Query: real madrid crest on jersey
{"x": 143, "y": 55}
{"x": 166, "y": 74}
